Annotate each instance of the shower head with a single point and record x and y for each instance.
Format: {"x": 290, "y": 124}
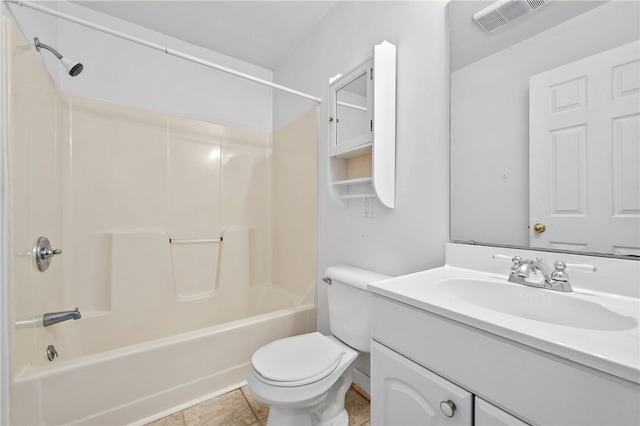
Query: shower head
{"x": 73, "y": 68}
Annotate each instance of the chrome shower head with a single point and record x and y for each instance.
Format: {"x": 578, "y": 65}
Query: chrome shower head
{"x": 73, "y": 68}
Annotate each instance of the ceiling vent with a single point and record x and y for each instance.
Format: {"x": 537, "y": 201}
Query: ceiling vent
{"x": 502, "y": 12}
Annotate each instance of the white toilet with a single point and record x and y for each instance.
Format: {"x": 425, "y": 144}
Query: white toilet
{"x": 304, "y": 378}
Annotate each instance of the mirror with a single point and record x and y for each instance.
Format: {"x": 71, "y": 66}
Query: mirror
{"x": 528, "y": 168}
{"x": 352, "y": 124}
{"x": 351, "y": 105}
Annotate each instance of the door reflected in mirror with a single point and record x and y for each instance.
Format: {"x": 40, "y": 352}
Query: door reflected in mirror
{"x": 545, "y": 128}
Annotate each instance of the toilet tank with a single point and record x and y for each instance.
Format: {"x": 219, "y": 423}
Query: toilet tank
{"x": 350, "y": 304}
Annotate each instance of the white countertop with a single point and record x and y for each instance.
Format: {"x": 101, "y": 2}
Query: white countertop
{"x": 616, "y": 352}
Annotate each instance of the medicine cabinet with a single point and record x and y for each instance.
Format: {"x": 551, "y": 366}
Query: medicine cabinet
{"x": 362, "y": 129}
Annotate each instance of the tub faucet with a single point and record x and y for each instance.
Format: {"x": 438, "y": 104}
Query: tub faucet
{"x": 56, "y": 317}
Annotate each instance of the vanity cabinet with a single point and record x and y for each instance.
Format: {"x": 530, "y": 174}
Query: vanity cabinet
{"x": 411, "y": 346}
{"x": 362, "y": 126}
{"x": 406, "y": 393}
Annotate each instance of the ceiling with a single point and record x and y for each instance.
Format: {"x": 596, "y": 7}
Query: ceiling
{"x": 470, "y": 42}
{"x": 263, "y": 32}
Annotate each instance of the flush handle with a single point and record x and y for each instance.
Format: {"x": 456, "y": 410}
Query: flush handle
{"x": 539, "y": 228}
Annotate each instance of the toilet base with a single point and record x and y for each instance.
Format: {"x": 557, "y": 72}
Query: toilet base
{"x": 329, "y": 410}
{"x": 303, "y": 417}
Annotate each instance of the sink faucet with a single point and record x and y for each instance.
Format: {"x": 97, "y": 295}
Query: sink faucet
{"x": 532, "y": 273}
{"x": 56, "y": 317}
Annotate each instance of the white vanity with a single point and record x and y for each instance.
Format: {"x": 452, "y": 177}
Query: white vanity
{"x": 462, "y": 345}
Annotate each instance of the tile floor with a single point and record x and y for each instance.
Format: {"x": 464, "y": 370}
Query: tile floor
{"x": 238, "y": 408}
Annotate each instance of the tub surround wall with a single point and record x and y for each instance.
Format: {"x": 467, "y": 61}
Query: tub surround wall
{"x": 111, "y": 185}
{"x": 37, "y": 203}
{"x": 295, "y": 203}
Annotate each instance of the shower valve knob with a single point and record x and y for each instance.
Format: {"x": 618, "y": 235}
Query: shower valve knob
{"x": 42, "y": 253}
{"x": 49, "y": 253}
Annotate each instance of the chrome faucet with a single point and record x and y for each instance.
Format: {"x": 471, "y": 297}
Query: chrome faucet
{"x": 56, "y": 317}
{"x": 532, "y": 273}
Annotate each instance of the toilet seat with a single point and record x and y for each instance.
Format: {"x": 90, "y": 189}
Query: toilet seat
{"x": 297, "y": 360}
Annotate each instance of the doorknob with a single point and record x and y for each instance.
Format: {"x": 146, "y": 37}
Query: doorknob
{"x": 539, "y": 228}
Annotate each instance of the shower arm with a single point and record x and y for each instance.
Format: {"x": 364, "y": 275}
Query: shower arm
{"x": 46, "y": 47}
{"x": 164, "y": 49}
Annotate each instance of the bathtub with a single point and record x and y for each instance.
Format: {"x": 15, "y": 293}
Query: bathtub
{"x": 140, "y": 383}
{"x": 162, "y": 343}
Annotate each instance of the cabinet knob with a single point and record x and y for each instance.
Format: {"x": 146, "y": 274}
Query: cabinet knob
{"x": 448, "y": 408}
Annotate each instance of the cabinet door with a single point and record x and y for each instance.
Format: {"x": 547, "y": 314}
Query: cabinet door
{"x": 489, "y": 415}
{"x": 405, "y": 393}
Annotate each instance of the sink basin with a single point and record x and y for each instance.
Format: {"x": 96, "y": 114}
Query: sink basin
{"x": 564, "y": 309}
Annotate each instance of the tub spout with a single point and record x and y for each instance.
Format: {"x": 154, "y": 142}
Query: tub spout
{"x": 56, "y": 317}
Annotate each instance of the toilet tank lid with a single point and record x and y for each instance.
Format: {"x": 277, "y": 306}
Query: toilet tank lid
{"x": 354, "y": 276}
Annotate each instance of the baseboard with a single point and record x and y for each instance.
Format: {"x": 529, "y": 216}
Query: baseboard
{"x": 362, "y": 381}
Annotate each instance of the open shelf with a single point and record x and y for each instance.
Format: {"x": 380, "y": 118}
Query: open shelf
{"x": 359, "y": 151}
{"x": 358, "y": 181}
{"x": 349, "y": 196}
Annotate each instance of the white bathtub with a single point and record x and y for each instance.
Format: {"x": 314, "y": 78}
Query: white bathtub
{"x": 143, "y": 382}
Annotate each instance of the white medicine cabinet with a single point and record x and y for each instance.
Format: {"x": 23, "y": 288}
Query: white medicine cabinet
{"x": 362, "y": 128}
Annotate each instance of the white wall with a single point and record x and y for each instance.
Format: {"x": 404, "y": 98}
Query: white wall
{"x": 410, "y": 237}
{"x": 490, "y": 121}
{"x": 124, "y": 72}
{"x": 35, "y": 24}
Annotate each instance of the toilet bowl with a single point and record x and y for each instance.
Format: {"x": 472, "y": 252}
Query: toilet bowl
{"x": 306, "y": 393}
{"x": 304, "y": 378}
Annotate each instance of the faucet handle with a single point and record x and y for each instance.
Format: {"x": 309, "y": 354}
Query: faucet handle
{"x": 515, "y": 259}
{"x": 581, "y": 267}
{"x": 560, "y": 275}
{"x": 502, "y": 257}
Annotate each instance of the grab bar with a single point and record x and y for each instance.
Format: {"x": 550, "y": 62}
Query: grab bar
{"x": 194, "y": 240}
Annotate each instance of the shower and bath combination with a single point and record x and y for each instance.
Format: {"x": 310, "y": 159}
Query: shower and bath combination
{"x": 73, "y": 68}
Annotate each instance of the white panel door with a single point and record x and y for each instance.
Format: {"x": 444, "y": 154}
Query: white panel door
{"x": 584, "y": 154}
{"x": 404, "y": 393}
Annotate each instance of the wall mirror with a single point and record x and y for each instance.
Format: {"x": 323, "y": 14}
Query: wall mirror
{"x": 545, "y": 128}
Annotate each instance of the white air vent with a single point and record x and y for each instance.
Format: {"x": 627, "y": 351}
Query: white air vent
{"x": 502, "y": 12}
